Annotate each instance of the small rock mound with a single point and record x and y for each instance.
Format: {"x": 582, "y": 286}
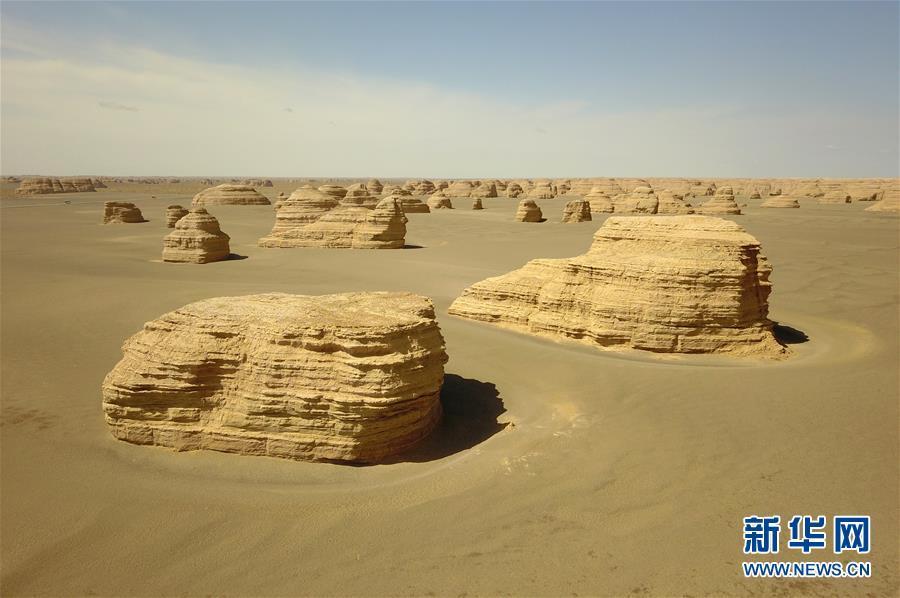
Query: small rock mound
{"x": 721, "y": 203}
{"x": 174, "y": 214}
{"x": 335, "y": 191}
{"x": 358, "y": 195}
{"x": 514, "y": 190}
{"x": 599, "y": 200}
{"x": 230, "y": 195}
{"x": 440, "y": 201}
{"x": 121, "y": 212}
{"x": 528, "y": 211}
{"x": 577, "y": 210}
{"x": 476, "y": 204}
{"x": 197, "y": 239}
{"x": 374, "y": 186}
{"x": 642, "y": 200}
{"x": 780, "y": 201}
{"x": 352, "y": 377}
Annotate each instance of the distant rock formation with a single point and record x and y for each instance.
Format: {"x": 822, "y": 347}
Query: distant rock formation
{"x": 174, "y": 213}
{"x": 485, "y": 189}
{"x": 306, "y": 204}
{"x": 256, "y": 182}
{"x": 599, "y": 200}
{"x": 230, "y": 195}
{"x": 780, "y": 201}
{"x": 440, "y": 201}
{"x": 348, "y": 227}
{"x": 833, "y": 195}
{"x": 577, "y": 210}
{"x": 721, "y": 203}
{"x": 669, "y": 284}
{"x": 98, "y": 184}
{"x": 374, "y": 186}
{"x": 47, "y": 185}
{"x": 335, "y": 191}
{"x": 476, "y": 204}
{"x": 352, "y": 377}
{"x": 541, "y": 190}
{"x": 121, "y": 212}
{"x": 423, "y": 187}
{"x": 358, "y": 195}
{"x": 528, "y": 211}
{"x": 890, "y": 203}
{"x": 642, "y": 200}
{"x": 460, "y": 189}
{"x": 672, "y": 204}
{"x": 514, "y": 190}
{"x": 197, "y": 239}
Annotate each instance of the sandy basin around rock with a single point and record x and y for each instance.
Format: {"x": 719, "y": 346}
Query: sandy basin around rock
{"x": 558, "y": 469}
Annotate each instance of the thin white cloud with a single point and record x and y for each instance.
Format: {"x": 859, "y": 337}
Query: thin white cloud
{"x": 117, "y": 106}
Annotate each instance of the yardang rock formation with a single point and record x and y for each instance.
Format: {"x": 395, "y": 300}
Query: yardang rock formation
{"x": 230, "y": 195}
{"x": 197, "y": 239}
{"x": 121, "y": 212}
{"x": 668, "y": 284}
{"x": 349, "y": 377}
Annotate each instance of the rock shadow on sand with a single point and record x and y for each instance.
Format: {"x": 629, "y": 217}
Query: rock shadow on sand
{"x": 786, "y": 335}
{"x": 471, "y": 409}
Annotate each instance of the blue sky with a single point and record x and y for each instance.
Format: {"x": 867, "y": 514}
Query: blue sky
{"x": 452, "y": 89}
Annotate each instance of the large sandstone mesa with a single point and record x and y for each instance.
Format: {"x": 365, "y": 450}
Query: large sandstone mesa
{"x": 197, "y": 239}
{"x": 349, "y": 377}
{"x": 121, "y": 212}
{"x": 348, "y": 227}
{"x": 230, "y": 195}
{"x": 668, "y": 284}
{"x": 577, "y": 210}
{"x": 46, "y": 185}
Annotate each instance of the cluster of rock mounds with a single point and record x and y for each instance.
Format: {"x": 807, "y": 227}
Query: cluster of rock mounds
{"x": 354, "y": 377}
{"x": 670, "y": 284}
{"x": 47, "y": 185}
{"x": 121, "y": 212}
{"x": 197, "y": 239}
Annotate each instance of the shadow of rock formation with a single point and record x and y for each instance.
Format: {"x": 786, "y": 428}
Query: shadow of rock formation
{"x": 789, "y": 336}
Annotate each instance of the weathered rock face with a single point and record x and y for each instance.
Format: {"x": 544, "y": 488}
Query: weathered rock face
{"x": 671, "y": 284}
{"x": 349, "y": 377}
{"x": 476, "y": 204}
{"x": 672, "y": 204}
{"x": 460, "y": 189}
{"x": 121, "y": 212}
{"x": 423, "y": 187}
{"x": 721, "y": 203}
{"x": 230, "y": 195}
{"x": 197, "y": 239}
{"x": 513, "y": 190}
{"x": 440, "y": 201}
{"x": 780, "y": 201}
{"x": 410, "y": 204}
{"x": 46, "y": 185}
{"x": 599, "y": 200}
{"x": 528, "y": 211}
{"x": 485, "y": 189}
{"x": 358, "y": 195}
{"x": 642, "y": 200}
{"x": 374, "y": 186}
{"x": 835, "y": 196}
{"x": 577, "y": 210}
{"x": 335, "y": 191}
{"x": 301, "y": 207}
{"x": 541, "y": 190}
{"x": 174, "y": 214}
{"x": 348, "y": 227}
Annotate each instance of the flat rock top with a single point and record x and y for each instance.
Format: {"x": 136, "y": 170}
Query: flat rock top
{"x": 376, "y": 310}
{"x": 691, "y": 227}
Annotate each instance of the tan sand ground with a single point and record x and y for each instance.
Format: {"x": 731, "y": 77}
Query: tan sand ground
{"x": 560, "y": 470}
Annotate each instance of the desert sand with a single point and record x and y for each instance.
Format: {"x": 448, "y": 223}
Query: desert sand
{"x": 557, "y": 470}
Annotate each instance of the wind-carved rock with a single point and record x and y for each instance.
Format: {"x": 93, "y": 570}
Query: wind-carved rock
{"x": 780, "y": 201}
{"x": 352, "y": 377}
{"x": 577, "y": 210}
{"x": 599, "y": 200}
{"x": 197, "y": 239}
{"x": 528, "y": 211}
{"x": 668, "y": 284}
{"x": 121, "y": 212}
{"x": 347, "y": 227}
{"x": 230, "y": 195}
{"x": 721, "y": 203}
{"x": 174, "y": 213}
{"x": 439, "y": 200}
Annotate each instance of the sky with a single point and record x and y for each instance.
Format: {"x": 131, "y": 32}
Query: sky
{"x": 451, "y": 89}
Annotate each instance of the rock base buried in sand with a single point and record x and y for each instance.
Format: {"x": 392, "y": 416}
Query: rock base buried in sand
{"x": 780, "y": 201}
{"x": 669, "y": 284}
{"x": 577, "y": 210}
{"x": 350, "y": 377}
{"x": 121, "y": 212}
{"x": 348, "y": 227}
{"x": 197, "y": 239}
